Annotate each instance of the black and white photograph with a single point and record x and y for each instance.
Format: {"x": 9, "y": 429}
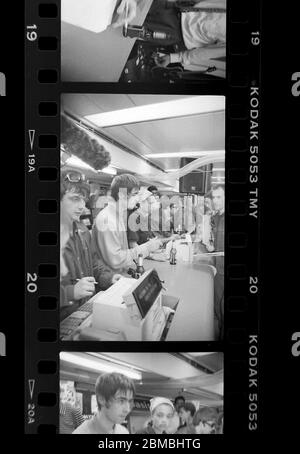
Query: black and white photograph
{"x": 141, "y": 393}
{"x": 156, "y": 41}
{"x": 142, "y": 217}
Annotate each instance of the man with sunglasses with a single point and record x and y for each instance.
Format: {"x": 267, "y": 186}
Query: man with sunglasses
{"x": 85, "y": 272}
{"x": 115, "y": 399}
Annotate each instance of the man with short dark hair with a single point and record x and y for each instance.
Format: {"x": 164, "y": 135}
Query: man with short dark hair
{"x": 109, "y": 234}
{"x": 84, "y": 273}
{"x": 152, "y": 189}
{"x": 179, "y": 401}
{"x": 115, "y": 399}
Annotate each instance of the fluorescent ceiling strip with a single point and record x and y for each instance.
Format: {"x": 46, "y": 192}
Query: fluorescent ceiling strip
{"x": 77, "y": 162}
{"x": 194, "y": 105}
{"x": 114, "y": 360}
{"x": 216, "y": 170}
{"x": 183, "y": 154}
{"x": 98, "y": 365}
{"x": 109, "y": 170}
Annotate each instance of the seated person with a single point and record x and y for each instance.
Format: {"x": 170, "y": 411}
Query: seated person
{"x": 197, "y": 33}
{"x": 109, "y": 233}
{"x": 82, "y": 274}
{"x": 162, "y": 413}
{"x": 115, "y": 399}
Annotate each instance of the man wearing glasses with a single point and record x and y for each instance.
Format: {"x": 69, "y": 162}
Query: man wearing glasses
{"x": 114, "y": 394}
{"x": 84, "y": 272}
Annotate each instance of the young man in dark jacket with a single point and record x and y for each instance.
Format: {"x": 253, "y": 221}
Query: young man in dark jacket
{"x": 86, "y": 273}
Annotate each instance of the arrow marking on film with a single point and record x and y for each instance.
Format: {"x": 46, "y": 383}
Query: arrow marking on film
{"x": 31, "y": 137}
{"x": 31, "y": 387}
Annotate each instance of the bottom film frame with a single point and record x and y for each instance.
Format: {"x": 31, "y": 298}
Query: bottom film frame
{"x": 241, "y": 343}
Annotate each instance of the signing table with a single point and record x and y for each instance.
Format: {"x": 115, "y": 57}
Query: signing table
{"x": 189, "y": 281}
{"x": 193, "y": 284}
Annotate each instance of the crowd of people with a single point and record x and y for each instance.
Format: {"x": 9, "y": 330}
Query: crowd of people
{"x": 131, "y": 223}
{"x": 115, "y": 400}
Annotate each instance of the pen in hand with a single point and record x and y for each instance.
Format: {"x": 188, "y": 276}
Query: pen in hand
{"x": 94, "y": 282}
{"x": 126, "y": 16}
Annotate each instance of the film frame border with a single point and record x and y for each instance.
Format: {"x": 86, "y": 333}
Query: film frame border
{"x": 42, "y": 127}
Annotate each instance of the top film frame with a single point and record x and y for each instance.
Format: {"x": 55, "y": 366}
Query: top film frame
{"x": 43, "y": 89}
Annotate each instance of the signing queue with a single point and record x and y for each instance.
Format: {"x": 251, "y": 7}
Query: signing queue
{"x": 115, "y": 400}
{"x": 123, "y": 234}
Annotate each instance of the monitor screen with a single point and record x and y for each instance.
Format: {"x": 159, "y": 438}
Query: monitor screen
{"x": 147, "y": 292}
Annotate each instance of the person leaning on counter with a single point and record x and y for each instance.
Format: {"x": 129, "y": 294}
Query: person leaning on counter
{"x": 109, "y": 233}
{"x": 82, "y": 273}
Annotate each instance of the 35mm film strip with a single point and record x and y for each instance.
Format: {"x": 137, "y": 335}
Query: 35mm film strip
{"x": 81, "y": 74}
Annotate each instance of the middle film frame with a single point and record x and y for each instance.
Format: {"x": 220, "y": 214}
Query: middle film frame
{"x": 123, "y": 93}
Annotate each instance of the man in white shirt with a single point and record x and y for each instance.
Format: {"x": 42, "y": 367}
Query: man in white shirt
{"x": 197, "y": 32}
{"x": 114, "y": 394}
{"x": 203, "y": 31}
{"x": 109, "y": 234}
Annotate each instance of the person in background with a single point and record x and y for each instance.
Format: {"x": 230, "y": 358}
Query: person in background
{"x": 162, "y": 413}
{"x": 205, "y": 420}
{"x": 176, "y": 215}
{"x": 69, "y": 418}
{"x": 186, "y": 413}
{"x": 115, "y": 400}
{"x": 208, "y": 209}
{"x": 220, "y": 420}
{"x": 82, "y": 274}
{"x": 150, "y": 217}
{"x": 109, "y": 233}
{"x": 217, "y": 223}
{"x": 157, "y": 221}
{"x": 179, "y": 402}
{"x": 153, "y": 189}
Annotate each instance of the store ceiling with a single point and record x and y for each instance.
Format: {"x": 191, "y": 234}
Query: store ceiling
{"x": 164, "y": 374}
{"x": 184, "y": 134}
